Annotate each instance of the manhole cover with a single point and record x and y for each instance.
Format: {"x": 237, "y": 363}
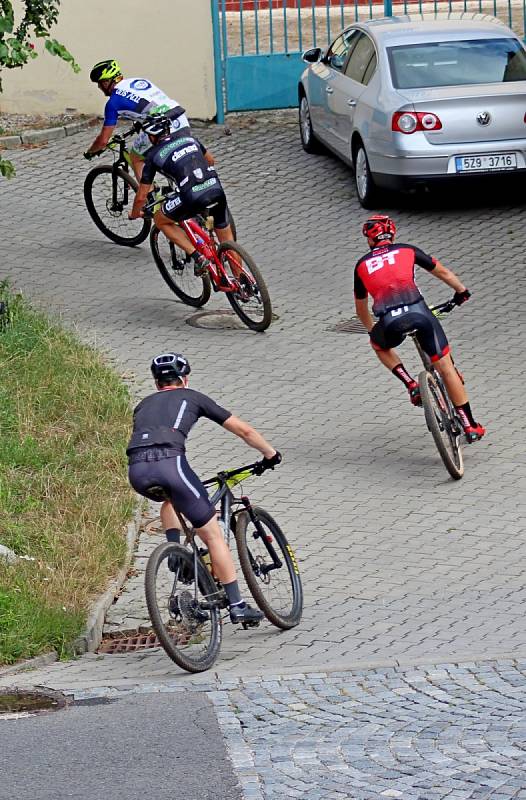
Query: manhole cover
{"x": 221, "y": 320}
{"x": 128, "y": 643}
{"x": 23, "y": 702}
{"x": 349, "y": 326}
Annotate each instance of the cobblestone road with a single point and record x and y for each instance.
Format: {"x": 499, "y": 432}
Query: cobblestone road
{"x": 400, "y": 564}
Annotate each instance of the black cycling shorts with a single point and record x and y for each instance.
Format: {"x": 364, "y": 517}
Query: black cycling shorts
{"x": 392, "y": 328}
{"x": 187, "y": 205}
{"x": 181, "y": 484}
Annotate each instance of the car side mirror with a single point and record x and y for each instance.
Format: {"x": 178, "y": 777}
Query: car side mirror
{"x": 312, "y": 56}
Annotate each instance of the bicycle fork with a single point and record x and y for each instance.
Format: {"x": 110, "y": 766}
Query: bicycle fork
{"x": 266, "y": 538}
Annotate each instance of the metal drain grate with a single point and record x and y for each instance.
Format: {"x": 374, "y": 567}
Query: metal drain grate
{"x": 129, "y": 643}
{"x": 349, "y": 326}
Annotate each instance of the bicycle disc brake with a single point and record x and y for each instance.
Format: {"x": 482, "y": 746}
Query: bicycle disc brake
{"x": 263, "y": 575}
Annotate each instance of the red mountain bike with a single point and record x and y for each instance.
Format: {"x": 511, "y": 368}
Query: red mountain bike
{"x": 232, "y": 270}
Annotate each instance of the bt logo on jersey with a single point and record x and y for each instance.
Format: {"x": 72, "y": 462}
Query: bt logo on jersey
{"x": 377, "y": 262}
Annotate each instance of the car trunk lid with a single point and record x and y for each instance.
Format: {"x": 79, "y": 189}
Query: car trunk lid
{"x": 463, "y": 112}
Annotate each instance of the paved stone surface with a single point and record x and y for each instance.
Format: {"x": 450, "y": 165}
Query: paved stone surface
{"x": 401, "y": 566}
{"x": 423, "y": 734}
{"x": 399, "y": 562}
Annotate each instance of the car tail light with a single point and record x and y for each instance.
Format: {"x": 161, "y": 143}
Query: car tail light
{"x": 412, "y": 121}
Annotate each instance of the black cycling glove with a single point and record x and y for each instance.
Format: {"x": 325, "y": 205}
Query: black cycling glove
{"x": 267, "y": 463}
{"x": 461, "y": 297}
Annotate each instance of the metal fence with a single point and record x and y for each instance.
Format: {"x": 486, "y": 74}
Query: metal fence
{"x": 258, "y": 43}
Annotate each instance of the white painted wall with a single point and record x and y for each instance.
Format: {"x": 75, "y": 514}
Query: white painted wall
{"x": 167, "y": 41}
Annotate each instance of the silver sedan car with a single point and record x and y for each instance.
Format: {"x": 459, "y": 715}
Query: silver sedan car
{"x": 408, "y": 101}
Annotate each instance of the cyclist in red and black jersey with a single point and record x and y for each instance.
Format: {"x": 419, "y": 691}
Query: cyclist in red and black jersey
{"x": 387, "y": 273}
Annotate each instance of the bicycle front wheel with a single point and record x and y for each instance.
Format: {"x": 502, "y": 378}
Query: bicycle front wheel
{"x": 189, "y": 632}
{"x": 251, "y": 301}
{"x": 109, "y": 194}
{"x": 270, "y": 568}
{"x": 177, "y": 270}
{"x": 443, "y": 427}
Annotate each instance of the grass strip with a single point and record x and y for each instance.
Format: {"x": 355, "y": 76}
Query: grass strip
{"x": 64, "y": 497}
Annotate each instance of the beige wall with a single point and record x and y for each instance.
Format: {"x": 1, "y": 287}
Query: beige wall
{"x": 167, "y": 41}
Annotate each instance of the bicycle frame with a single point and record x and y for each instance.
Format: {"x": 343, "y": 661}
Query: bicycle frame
{"x": 225, "y": 483}
{"x": 205, "y": 243}
{"x": 442, "y": 308}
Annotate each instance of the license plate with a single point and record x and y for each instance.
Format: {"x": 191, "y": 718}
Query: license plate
{"x": 486, "y": 163}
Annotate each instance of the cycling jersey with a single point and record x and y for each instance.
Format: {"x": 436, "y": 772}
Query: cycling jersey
{"x": 387, "y": 273}
{"x": 165, "y": 418}
{"x": 135, "y": 98}
{"x": 156, "y": 451}
{"x": 181, "y": 159}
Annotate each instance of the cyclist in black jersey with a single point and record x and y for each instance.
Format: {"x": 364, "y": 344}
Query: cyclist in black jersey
{"x": 156, "y": 457}
{"x": 187, "y": 162}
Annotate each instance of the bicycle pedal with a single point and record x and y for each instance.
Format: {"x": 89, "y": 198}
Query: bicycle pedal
{"x": 255, "y": 624}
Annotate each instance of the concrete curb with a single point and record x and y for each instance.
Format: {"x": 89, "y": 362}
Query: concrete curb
{"x": 46, "y": 134}
{"x": 31, "y": 663}
{"x": 92, "y": 636}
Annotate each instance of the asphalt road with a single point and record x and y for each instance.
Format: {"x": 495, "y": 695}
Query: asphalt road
{"x": 161, "y": 746}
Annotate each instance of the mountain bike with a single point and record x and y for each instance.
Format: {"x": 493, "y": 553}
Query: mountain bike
{"x": 440, "y": 414}
{"x": 109, "y": 192}
{"x": 232, "y": 270}
{"x": 185, "y": 601}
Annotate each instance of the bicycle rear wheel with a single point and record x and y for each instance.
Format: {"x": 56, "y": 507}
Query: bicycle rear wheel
{"x": 190, "y": 635}
{"x": 109, "y": 194}
{"x": 270, "y": 569}
{"x": 177, "y": 270}
{"x": 443, "y": 427}
{"x": 252, "y": 301}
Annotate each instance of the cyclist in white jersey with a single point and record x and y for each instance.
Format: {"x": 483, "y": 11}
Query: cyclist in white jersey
{"x": 135, "y": 99}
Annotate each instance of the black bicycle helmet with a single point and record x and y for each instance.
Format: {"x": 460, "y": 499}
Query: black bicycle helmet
{"x": 105, "y": 70}
{"x": 157, "y": 125}
{"x": 170, "y": 366}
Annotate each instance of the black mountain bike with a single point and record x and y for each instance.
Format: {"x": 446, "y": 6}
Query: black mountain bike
{"x": 109, "y": 192}
{"x": 441, "y": 416}
{"x": 185, "y": 602}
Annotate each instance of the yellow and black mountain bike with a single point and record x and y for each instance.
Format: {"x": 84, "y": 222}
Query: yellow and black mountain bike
{"x": 185, "y": 601}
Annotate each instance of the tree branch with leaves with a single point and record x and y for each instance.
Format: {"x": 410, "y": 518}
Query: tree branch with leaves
{"x": 17, "y": 47}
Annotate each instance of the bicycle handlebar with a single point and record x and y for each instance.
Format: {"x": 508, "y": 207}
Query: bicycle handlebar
{"x": 256, "y": 468}
{"x": 443, "y": 308}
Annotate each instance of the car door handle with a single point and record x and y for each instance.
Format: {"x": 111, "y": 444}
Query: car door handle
{"x": 329, "y": 90}
{"x": 351, "y": 103}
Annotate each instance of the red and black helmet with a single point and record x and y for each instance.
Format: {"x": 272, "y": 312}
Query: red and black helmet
{"x": 379, "y": 227}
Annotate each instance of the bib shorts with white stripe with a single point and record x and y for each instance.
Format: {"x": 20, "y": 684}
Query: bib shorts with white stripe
{"x": 180, "y": 482}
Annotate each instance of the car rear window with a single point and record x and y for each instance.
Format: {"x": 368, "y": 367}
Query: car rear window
{"x": 418, "y": 66}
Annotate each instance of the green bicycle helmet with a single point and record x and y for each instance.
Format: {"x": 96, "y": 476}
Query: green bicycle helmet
{"x": 105, "y": 70}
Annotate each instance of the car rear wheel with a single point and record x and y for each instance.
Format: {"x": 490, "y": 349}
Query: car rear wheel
{"x": 308, "y": 140}
{"x": 365, "y": 187}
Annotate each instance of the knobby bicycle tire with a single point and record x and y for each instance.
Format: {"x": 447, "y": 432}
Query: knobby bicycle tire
{"x": 120, "y": 174}
{"x": 439, "y": 422}
{"x": 251, "y": 565}
{"x": 207, "y": 587}
{"x": 261, "y": 300}
{"x": 182, "y": 271}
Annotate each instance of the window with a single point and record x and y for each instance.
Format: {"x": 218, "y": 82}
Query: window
{"x": 360, "y": 59}
{"x": 457, "y": 63}
{"x": 339, "y": 50}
